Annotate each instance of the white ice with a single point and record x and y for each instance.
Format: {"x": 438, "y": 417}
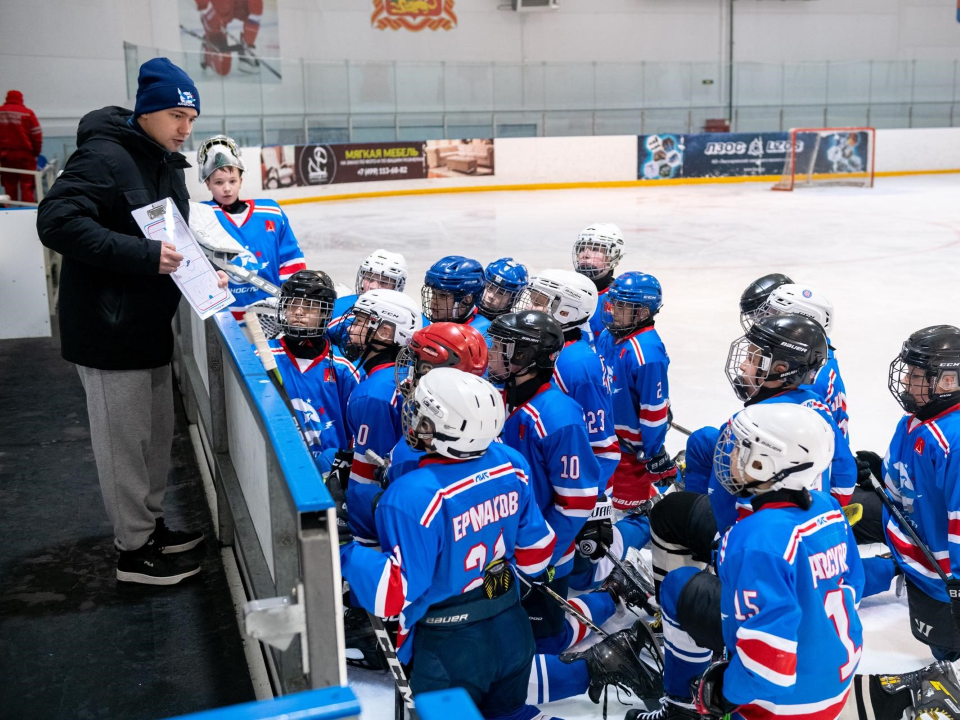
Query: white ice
{"x": 888, "y": 258}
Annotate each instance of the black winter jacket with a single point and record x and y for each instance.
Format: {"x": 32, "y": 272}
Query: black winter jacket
{"x": 115, "y": 309}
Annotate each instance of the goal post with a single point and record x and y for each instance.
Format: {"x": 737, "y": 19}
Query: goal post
{"x": 829, "y": 156}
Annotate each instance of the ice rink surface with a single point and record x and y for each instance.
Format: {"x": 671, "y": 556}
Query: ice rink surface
{"x": 888, "y": 258}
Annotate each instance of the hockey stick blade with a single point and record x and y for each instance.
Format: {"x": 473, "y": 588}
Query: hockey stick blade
{"x": 902, "y": 522}
{"x": 565, "y": 604}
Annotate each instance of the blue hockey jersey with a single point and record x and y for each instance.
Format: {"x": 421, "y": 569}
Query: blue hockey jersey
{"x": 272, "y": 250}
{"x": 581, "y": 374}
{"x": 318, "y": 390}
{"x": 829, "y": 387}
{"x": 593, "y": 329}
{"x": 791, "y": 583}
{"x": 403, "y": 459}
{"x": 549, "y": 430}
{"x": 641, "y": 391}
{"x": 373, "y": 422}
{"x": 440, "y": 526}
{"x": 922, "y": 475}
{"x": 840, "y": 479}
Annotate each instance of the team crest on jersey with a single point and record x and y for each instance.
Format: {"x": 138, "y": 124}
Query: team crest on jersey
{"x": 918, "y": 447}
{"x": 248, "y": 261}
{"x": 187, "y": 99}
{"x": 269, "y": 226}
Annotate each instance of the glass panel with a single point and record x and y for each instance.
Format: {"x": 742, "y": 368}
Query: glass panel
{"x": 372, "y": 87}
{"x": 569, "y": 86}
{"x": 666, "y": 85}
{"x": 759, "y": 84}
{"x": 468, "y": 86}
{"x": 420, "y": 87}
{"x": 619, "y": 86}
{"x": 327, "y": 87}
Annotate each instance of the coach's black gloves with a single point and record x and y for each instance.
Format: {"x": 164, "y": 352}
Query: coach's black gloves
{"x": 953, "y": 590}
{"x": 596, "y": 535}
{"x": 708, "y": 692}
{"x": 868, "y": 463}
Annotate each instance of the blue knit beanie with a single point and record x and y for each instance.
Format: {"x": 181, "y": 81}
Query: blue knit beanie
{"x": 163, "y": 85}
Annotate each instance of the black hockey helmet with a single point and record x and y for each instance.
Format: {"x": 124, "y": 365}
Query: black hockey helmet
{"x": 306, "y": 304}
{"x": 520, "y": 341}
{"x": 796, "y": 341}
{"x": 936, "y": 352}
{"x": 756, "y": 295}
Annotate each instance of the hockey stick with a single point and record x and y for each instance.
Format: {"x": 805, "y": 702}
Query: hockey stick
{"x": 902, "y": 522}
{"x": 237, "y": 47}
{"x": 681, "y": 429}
{"x": 383, "y": 637}
{"x": 565, "y": 604}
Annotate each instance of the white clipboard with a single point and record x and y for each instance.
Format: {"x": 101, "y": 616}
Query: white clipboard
{"x": 195, "y": 277}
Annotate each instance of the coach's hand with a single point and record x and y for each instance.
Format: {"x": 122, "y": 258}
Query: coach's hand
{"x": 170, "y": 259}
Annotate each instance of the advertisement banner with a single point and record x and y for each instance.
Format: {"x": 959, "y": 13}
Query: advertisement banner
{"x": 705, "y": 155}
{"x": 302, "y": 165}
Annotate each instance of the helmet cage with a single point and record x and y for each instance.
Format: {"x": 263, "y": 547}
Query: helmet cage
{"x": 441, "y": 305}
{"x": 357, "y": 332}
{"x": 509, "y": 355}
{"x": 614, "y": 309}
{"x": 496, "y": 299}
{"x": 903, "y": 386}
{"x": 733, "y": 456}
{"x": 210, "y": 159}
{"x": 385, "y": 281}
{"x": 291, "y": 305}
{"x": 593, "y": 244}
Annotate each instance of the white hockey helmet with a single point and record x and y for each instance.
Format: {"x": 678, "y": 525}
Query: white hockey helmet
{"x": 457, "y": 413}
{"x": 374, "y": 310}
{"x": 786, "y": 445}
{"x": 387, "y": 269}
{"x": 598, "y": 249}
{"x": 218, "y": 152}
{"x": 799, "y": 300}
{"x": 569, "y": 296}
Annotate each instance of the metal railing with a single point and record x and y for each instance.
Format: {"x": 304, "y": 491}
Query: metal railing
{"x": 271, "y": 505}
{"x": 42, "y": 181}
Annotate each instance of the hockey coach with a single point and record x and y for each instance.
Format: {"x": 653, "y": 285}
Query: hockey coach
{"x": 117, "y": 301}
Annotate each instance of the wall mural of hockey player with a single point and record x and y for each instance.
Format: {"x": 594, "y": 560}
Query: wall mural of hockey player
{"x": 261, "y": 227}
{"x": 225, "y": 30}
{"x": 596, "y": 254}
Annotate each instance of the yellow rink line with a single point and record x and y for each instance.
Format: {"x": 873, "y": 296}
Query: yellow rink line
{"x": 568, "y": 186}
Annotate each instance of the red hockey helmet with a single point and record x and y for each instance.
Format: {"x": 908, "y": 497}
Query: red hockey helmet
{"x": 442, "y": 344}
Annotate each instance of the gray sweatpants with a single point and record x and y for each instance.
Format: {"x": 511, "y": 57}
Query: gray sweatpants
{"x": 131, "y": 429}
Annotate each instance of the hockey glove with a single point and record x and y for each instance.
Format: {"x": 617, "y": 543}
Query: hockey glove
{"x": 340, "y": 468}
{"x": 868, "y": 463}
{"x": 597, "y": 533}
{"x": 662, "y": 467}
{"x": 340, "y": 503}
{"x": 953, "y": 590}
{"x": 544, "y": 578}
{"x": 708, "y": 692}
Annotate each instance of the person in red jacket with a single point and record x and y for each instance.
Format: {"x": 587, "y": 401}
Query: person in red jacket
{"x": 20, "y": 141}
{"x": 216, "y": 15}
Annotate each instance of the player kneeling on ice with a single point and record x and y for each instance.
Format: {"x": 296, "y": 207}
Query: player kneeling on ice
{"x": 596, "y": 254}
{"x": 505, "y": 279}
{"x": 270, "y": 249}
{"x": 783, "y": 604}
{"x": 451, "y": 289}
{"x": 318, "y": 383}
{"x": 635, "y": 356}
{"x": 452, "y": 532}
{"x": 380, "y": 324}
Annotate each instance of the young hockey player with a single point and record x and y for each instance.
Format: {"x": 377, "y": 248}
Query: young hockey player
{"x": 451, "y": 288}
{"x": 379, "y": 325}
{"x": 318, "y": 383}
{"x": 638, "y": 361}
{"x": 921, "y": 473}
{"x": 596, "y": 254}
{"x": 828, "y": 385}
{"x": 767, "y": 365}
{"x": 783, "y": 603}
{"x": 451, "y": 530}
{"x": 260, "y": 226}
{"x": 382, "y": 270}
{"x": 505, "y": 279}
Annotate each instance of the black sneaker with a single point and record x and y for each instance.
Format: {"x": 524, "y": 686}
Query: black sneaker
{"x": 149, "y": 566}
{"x": 175, "y": 541}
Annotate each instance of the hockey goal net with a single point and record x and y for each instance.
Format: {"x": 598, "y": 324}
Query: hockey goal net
{"x": 828, "y": 156}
